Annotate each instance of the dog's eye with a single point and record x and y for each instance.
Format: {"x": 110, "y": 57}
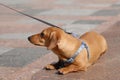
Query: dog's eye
{"x": 42, "y": 34}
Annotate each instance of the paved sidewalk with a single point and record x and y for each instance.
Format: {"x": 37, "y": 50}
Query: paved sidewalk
{"x": 106, "y": 68}
{"x": 20, "y": 60}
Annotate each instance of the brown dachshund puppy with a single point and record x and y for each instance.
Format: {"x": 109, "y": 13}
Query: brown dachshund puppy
{"x": 64, "y": 46}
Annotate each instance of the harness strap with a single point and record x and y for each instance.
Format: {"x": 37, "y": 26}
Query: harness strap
{"x": 71, "y": 60}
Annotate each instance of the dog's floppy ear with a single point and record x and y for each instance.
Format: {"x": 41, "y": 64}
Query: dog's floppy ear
{"x": 53, "y": 40}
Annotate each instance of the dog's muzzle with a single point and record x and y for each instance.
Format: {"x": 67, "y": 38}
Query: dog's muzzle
{"x": 28, "y": 38}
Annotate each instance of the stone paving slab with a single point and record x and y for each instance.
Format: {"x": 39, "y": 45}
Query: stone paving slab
{"x": 89, "y": 22}
{"x": 20, "y": 57}
{"x": 107, "y": 12}
{"x": 4, "y": 49}
{"x": 74, "y": 12}
{"x": 79, "y": 28}
{"x": 15, "y": 36}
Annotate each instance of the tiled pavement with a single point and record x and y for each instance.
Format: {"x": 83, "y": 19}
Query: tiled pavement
{"x": 19, "y": 60}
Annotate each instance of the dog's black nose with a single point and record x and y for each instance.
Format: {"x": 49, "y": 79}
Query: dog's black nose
{"x": 29, "y": 38}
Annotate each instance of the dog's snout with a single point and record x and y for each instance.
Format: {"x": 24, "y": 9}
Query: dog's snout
{"x": 29, "y": 38}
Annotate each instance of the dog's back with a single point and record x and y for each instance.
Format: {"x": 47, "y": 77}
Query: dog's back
{"x": 96, "y": 43}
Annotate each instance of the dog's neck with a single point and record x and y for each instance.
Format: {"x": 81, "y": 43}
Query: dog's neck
{"x": 67, "y": 47}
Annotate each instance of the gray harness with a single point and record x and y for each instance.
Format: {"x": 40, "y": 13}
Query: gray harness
{"x": 71, "y": 60}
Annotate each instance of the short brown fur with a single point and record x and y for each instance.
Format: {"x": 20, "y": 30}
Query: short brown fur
{"x": 64, "y": 46}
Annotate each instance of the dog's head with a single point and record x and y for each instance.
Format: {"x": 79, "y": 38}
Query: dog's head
{"x": 48, "y": 37}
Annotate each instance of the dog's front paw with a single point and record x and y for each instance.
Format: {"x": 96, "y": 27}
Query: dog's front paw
{"x": 49, "y": 67}
{"x": 63, "y": 71}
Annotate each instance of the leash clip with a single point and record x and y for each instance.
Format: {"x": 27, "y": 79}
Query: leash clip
{"x": 70, "y": 60}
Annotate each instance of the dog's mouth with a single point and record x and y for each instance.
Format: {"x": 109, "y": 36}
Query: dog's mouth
{"x": 37, "y": 45}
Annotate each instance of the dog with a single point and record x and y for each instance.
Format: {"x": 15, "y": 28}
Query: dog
{"x": 65, "y": 45}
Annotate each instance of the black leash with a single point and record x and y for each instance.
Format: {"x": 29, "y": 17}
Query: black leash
{"x": 30, "y": 16}
{"x": 40, "y": 20}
